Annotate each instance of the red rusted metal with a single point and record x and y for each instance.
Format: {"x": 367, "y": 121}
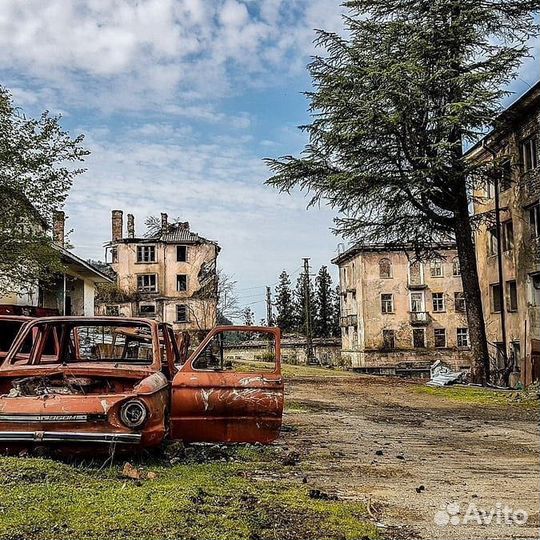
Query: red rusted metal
{"x": 83, "y": 403}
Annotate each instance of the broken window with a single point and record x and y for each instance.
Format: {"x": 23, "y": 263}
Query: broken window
{"x": 462, "y": 337}
{"x": 436, "y": 268}
{"x": 181, "y": 253}
{"x": 493, "y": 236}
{"x": 495, "y": 291}
{"x": 456, "y": 268}
{"x": 511, "y": 295}
{"x": 146, "y": 254}
{"x": 528, "y": 155}
{"x": 440, "y": 337}
{"x": 459, "y": 302}
{"x": 419, "y": 338}
{"x": 508, "y": 235}
{"x": 438, "y": 302}
{"x": 181, "y": 282}
{"x": 389, "y": 339}
{"x": 147, "y": 310}
{"x": 534, "y": 220}
{"x": 147, "y": 283}
{"x": 385, "y": 269}
{"x": 387, "y": 303}
{"x": 221, "y": 353}
{"x": 506, "y": 174}
{"x": 182, "y": 313}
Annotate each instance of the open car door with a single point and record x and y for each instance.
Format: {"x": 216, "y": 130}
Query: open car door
{"x": 217, "y": 396}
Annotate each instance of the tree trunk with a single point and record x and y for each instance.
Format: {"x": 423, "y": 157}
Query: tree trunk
{"x": 480, "y": 371}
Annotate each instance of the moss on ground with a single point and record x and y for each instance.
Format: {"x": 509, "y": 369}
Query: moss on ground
{"x": 482, "y": 396}
{"x": 240, "y": 496}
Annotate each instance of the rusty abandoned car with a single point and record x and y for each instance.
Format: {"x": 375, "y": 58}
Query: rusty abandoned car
{"x": 10, "y": 326}
{"x": 86, "y": 382}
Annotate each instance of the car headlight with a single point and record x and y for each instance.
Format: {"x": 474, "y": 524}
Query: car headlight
{"x": 133, "y": 413}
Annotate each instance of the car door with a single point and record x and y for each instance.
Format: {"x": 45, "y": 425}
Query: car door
{"x": 219, "y": 396}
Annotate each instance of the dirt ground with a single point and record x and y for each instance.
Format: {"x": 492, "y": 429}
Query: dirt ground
{"x": 409, "y": 453}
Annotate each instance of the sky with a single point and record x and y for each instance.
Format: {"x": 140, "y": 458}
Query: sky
{"x": 180, "y": 101}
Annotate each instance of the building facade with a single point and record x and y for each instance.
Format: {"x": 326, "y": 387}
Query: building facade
{"x": 169, "y": 275}
{"x": 399, "y": 315}
{"x": 508, "y": 254}
{"x": 70, "y": 293}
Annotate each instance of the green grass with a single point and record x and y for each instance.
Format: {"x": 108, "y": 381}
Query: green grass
{"x": 230, "y": 499}
{"x": 481, "y": 396}
{"x": 292, "y": 371}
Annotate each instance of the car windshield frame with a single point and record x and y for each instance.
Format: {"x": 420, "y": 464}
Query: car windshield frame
{"x": 67, "y": 343}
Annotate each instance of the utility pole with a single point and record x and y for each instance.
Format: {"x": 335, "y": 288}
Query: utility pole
{"x": 307, "y": 312}
{"x": 269, "y": 314}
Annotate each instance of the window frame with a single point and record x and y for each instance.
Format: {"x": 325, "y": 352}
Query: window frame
{"x": 528, "y": 153}
{"x": 178, "y": 276}
{"x": 382, "y": 275}
{"x": 445, "y": 336}
{"x": 495, "y": 298}
{"x": 534, "y": 220}
{"x": 147, "y": 288}
{"x": 186, "y": 318}
{"x": 440, "y": 296}
{"x": 143, "y": 254}
{"x": 459, "y": 298}
{"x": 456, "y": 264}
{"x": 436, "y": 265}
{"x": 186, "y": 255}
{"x": 511, "y": 296}
{"x": 462, "y": 333}
{"x": 417, "y": 331}
{"x": 385, "y": 301}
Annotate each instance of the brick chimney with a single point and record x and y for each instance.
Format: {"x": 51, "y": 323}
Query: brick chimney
{"x": 117, "y": 225}
{"x": 131, "y": 226}
{"x": 164, "y": 223}
{"x": 59, "y": 227}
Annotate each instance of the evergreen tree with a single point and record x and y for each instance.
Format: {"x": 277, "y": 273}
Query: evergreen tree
{"x": 395, "y": 103}
{"x": 336, "y": 313}
{"x": 284, "y": 304}
{"x": 324, "y": 304}
{"x": 300, "y": 303}
{"x": 248, "y": 316}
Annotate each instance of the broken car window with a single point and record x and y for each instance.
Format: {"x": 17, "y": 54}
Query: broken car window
{"x": 243, "y": 352}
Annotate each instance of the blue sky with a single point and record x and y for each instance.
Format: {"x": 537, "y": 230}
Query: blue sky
{"x": 179, "y": 101}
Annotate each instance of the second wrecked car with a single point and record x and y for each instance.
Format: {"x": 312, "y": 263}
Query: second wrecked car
{"x": 122, "y": 381}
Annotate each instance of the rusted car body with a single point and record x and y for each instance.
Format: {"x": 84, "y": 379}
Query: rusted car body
{"x": 10, "y": 326}
{"x": 94, "y": 381}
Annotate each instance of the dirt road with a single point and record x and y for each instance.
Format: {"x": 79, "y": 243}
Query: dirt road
{"x": 411, "y": 453}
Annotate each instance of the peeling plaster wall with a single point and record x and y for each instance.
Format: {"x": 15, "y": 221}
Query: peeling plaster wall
{"x": 523, "y": 325}
{"x": 363, "y": 321}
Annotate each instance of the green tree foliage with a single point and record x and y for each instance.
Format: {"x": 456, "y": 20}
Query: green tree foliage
{"x": 336, "y": 315}
{"x": 248, "y": 317}
{"x": 35, "y": 178}
{"x": 394, "y": 104}
{"x": 323, "y": 319}
{"x": 284, "y": 304}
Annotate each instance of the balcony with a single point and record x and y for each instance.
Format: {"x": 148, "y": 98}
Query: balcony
{"x": 420, "y": 318}
{"x": 416, "y": 284}
{"x": 348, "y": 320}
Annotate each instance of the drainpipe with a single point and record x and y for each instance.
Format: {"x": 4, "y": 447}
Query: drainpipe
{"x": 499, "y": 256}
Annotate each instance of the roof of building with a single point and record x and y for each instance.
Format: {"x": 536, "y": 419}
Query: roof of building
{"x": 356, "y": 249}
{"x": 509, "y": 115}
{"x": 83, "y": 267}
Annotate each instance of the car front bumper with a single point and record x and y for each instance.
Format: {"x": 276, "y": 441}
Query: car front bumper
{"x": 69, "y": 436}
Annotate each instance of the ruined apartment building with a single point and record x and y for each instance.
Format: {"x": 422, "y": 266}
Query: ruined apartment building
{"x": 169, "y": 275}
{"x": 515, "y": 143}
{"x": 399, "y": 316}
